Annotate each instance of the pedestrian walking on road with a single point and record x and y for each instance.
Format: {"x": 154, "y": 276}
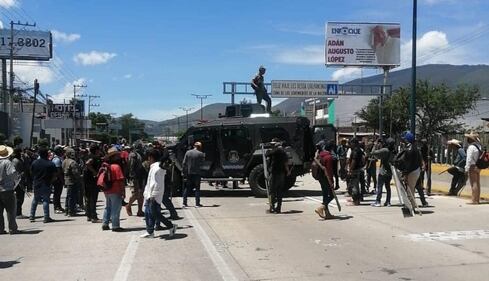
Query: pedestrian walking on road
{"x": 44, "y": 173}
{"x": 192, "y": 163}
{"x": 385, "y": 155}
{"x": 72, "y": 178}
{"x": 371, "y": 168}
{"x": 9, "y": 178}
{"x": 458, "y": 169}
{"x": 116, "y": 193}
{"x": 279, "y": 167}
{"x": 136, "y": 174}
{"x": 324, "y": 159}
{"x": 153, "y": 194}
{"x": 473, "y": 173}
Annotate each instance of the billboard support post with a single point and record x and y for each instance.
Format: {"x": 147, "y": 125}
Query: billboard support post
{"x": 4, "y": 85}
{"x": 381, "y": 101}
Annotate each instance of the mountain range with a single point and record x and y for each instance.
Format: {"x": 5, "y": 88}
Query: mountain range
{"x": 346, "y": 106}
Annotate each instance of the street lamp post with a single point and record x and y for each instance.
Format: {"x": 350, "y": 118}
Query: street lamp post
{"x": 413, "y": 70}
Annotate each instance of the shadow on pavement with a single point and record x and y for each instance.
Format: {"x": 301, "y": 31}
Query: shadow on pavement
{"x": 130, "y": 229}
{"x": 7, "y": 264}
{"x": 31, "y": 231}
{"x": 62, "y": 220}
{"x": 291, "y": 212}
{"x": 343, "y": 218}
{"x": 427, "y": 212}
{"x": 175, "y": 237}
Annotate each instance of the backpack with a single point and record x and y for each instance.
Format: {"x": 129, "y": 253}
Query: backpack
{"x": 483, "y": 160}
{"x": 104, "y": 177}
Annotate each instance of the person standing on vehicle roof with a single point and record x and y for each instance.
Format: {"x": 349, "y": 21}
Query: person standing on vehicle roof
{"x": 279, "y": 162}
{"x": 257, "y": 83}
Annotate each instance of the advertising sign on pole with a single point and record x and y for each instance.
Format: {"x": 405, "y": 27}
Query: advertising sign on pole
{"x": 363, "y": 44}
{"x": 304, "y": 89}
{"x": 28, "y": 45}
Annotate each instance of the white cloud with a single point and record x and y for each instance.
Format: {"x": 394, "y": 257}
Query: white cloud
{"x": 308, "y": 55}
{"x": 66, "y": 93}
{"x": 433, "y": 47}
{"x": 310, "y": 29}
{"x": 128, "y": 76}
{"x": 162, "y": 114}
{"x": 34, "y": 70}
{"x": 435, "y": 2}
{"x": 93, "y": 58}
{"x": 346, "y": 74}
{"x": 1, "y": 24}
{"x": 65, "y": 37}
{"x": 7, "y": 4}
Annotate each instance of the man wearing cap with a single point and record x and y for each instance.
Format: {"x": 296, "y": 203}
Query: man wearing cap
{"x": 458, "y": 169}
{"x": 257, "y": 83}
{"x": 8, "y": 180}
{"x": 411, "y": 157}
{"x": 473, "y": 153}
{"x": 192, "y": 163}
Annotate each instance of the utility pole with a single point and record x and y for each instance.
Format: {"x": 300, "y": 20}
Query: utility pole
{"x": 202, "y": 98}
{"x": 178, "y": 122}
{"x": 90, "y": 97}
{"x": 11, "y": 89}
{"x": 4, "y": 85}
{"x": 413, "y": 69}
{"x": 74, "y": 110}
{"x": 36, "y": 92}
{"x": 186, "y": 109}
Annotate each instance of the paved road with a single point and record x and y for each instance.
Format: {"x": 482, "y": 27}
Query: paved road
{"x": 233, "y": 239}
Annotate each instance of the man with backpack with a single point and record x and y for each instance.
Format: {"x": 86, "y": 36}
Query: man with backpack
{"x": 136, "y": 174}
{"x": 472, "y": 170}
{"x": 113, "y": 182}
{"x": 385, "y": 155}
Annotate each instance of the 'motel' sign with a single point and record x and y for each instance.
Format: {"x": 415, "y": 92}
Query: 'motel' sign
{"x": 345, "y": 31}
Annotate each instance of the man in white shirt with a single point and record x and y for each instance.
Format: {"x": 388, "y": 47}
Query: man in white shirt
{"x": 474, "y": 174}
{"x": 153, "y": 194}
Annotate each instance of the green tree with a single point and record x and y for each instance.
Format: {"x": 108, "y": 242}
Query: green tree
{"x": 438, "y": 108}
{"x": 98, "y": 118}
{"x": 129, "y": 125}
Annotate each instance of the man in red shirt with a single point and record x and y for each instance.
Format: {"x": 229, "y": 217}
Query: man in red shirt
{"x": 325, "y": 159}
{"x": 116, "y": 193}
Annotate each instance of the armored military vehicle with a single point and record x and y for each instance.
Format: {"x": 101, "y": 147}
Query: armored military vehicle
{"x": 232, "y": 150}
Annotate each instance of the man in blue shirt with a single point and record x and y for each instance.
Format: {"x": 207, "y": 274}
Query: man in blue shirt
{"x": 43, "y": 172}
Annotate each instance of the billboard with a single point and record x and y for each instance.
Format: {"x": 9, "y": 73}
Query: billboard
{"x": 65, "y": 111}
{"x": 28, "y": 45}
{"x": 363, "y": 44}
{"x": 304, "y": 89}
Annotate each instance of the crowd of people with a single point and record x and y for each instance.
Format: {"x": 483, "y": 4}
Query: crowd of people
{"x": 83, "y": 173}
{"x": 355, "y": 162}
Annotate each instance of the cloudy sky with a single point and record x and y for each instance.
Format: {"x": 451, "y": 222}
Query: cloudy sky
{"x": 147, "y": 57}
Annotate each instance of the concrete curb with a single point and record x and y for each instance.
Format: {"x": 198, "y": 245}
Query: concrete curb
{"x": 466, "y": 192}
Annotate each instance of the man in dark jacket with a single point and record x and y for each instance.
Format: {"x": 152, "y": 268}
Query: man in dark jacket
{"x": 43, "y": 173}
{"x": 279, "y": 162}
{"x": 385, "y": 155}
{"x": 92, "y": 165}
{"x": 192, "y": 163}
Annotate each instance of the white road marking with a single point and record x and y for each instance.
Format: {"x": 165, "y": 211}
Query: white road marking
{"x": 213, "y": 253}
{"x": 449, "y": 235}
{"x": 125, "y": 266}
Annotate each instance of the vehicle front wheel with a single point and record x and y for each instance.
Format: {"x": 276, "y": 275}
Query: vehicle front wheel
{"x": 257, "y": 181}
